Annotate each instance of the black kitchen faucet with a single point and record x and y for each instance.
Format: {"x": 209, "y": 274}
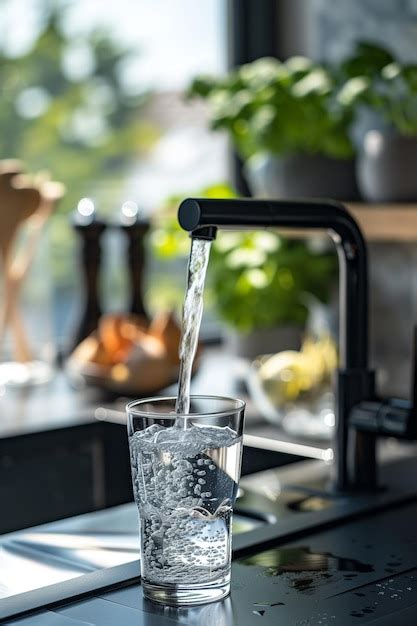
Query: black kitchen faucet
{"x": 360, "y": 416}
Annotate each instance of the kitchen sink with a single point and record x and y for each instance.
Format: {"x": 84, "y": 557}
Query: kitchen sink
{"x": 64, "y": 550}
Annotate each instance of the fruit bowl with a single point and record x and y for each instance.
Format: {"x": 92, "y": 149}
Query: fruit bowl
{"x": 294, "y": 388}
{"x": 128, "y": 355}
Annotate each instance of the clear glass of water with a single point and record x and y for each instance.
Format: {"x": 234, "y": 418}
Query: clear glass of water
{"x": 185, "y": 472}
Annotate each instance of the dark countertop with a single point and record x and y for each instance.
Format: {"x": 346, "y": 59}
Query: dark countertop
{"x": 58, "y": 404}
{"x": 53, "y": 435}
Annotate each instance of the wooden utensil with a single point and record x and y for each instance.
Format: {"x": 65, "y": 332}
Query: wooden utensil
{"x": 50, "y": 194}
{"x": 16, "y": 205}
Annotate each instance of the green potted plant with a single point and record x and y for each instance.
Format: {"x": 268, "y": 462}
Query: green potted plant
{"x": 259, "y": 283}
{"x": 388, "y": 88}
{"x": 289, "y": 125}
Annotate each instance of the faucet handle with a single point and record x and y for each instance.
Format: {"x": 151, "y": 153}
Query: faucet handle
{"x": 413, "y": 394}
{"x": 391, "y": 416}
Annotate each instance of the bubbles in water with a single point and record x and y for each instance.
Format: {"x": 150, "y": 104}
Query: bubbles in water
{"x": 185, "y": 527}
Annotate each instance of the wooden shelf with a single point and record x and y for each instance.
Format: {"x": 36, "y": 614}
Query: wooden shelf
{"x": 386, "y": 222}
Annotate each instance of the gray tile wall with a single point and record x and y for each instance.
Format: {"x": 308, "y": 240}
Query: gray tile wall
{"x": 337, "y": 24}
{"x": 334, "y": 26}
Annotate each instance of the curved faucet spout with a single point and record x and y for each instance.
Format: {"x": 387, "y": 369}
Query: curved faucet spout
{"x": 200, "y": 214}
{"x": 202, "y": 217}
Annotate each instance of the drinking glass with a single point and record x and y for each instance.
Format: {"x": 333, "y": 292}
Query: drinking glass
{"x": 185, "y": 473}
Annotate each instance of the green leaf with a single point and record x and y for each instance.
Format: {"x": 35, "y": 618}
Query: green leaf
{"x": 410, "y": 75}
{"x": 280, "y": 108}
{"x": 317, "y": 82}
{"x": 353, "y": 90}
{"x": 368, "y": 59}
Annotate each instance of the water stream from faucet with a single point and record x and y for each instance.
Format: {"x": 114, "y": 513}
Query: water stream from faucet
{"x": 191, "y": 319}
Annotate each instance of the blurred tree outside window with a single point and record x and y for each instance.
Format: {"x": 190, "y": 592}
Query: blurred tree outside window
{"x": 93, "y": 92}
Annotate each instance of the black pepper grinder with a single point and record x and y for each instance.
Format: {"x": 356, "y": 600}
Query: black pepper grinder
{"x": 134, "y": 228}
{"x": 89, "y": 230}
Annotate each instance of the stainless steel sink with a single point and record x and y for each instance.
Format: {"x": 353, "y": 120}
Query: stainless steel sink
{"x": 53, "y": 553}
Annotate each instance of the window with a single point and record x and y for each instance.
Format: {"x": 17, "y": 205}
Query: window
{"x": 94, "y": 92}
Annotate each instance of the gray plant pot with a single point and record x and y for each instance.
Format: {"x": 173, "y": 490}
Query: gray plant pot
{"x": 301, "y": 175}
{"x": 263, "y": 341}
{"x": 386, "y": 167}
